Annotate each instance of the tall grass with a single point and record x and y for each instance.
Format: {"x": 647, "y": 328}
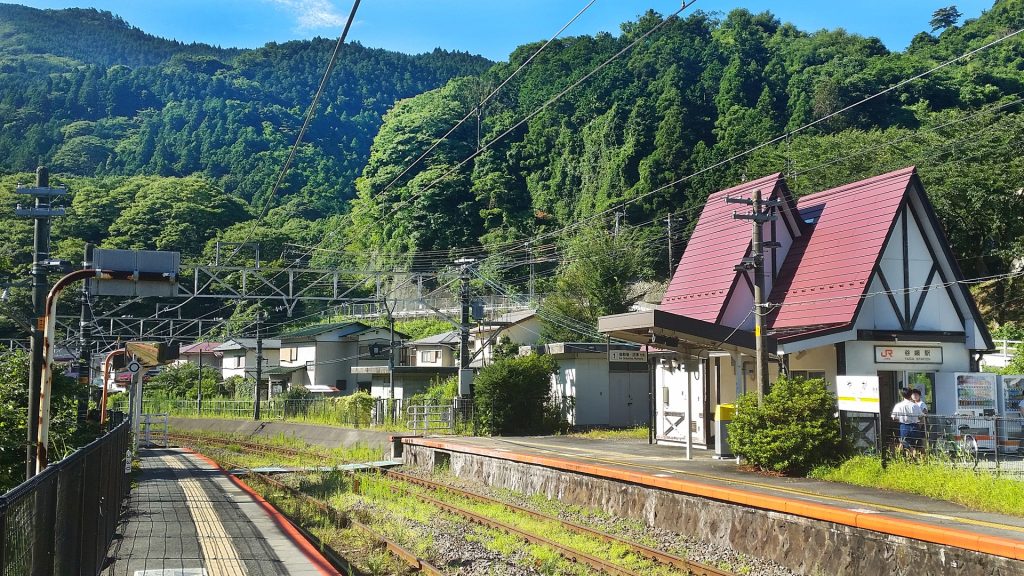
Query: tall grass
{"x": 935, "y": 479}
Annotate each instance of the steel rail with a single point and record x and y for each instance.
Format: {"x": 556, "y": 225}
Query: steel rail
{"x": 565, "y": 551}
{"x": 342, "y": 520}
{"x": 692, "y": 567}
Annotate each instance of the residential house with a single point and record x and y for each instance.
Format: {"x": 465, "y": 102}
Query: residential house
{"x": 860, "y": 282}
{"x": 421, "y": 363}
{"x": 203, "y": 354}
{"x": 238, "y": 356}
{"x": 321, "y": 358}
{"x": 521, "y": 327}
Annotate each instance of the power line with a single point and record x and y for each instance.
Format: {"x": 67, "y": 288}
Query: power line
{"x": 310, "y": 113}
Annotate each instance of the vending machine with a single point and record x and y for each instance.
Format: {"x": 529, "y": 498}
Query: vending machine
{"x": 976, "y": 405}
{"x": 1013, "y": 393}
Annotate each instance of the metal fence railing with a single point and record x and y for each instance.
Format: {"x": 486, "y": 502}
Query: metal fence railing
{"x": 63, "y": 519}
{"x": 993, "y": 444}
{"x": 455, "y": 417}
{"x": 340, "y": 411}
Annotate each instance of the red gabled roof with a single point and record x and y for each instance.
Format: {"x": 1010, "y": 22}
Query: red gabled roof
{"x": 829, "y": 268}
{"x": 705, "y": 273}
{"x": 204, "y": 347}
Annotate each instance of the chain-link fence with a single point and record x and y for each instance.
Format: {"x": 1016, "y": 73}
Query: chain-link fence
{"x": 63, "y": 519}
{"x": 992, "y": 444}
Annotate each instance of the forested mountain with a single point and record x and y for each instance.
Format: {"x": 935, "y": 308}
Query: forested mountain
{"x": 171, "y": 146}
{"x": 700, "y": 91}
{"x": 86, "y": 94}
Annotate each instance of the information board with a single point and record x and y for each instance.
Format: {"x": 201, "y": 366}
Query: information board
{"x": 857, "y": 393}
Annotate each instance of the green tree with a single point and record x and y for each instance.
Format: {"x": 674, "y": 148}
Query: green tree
{"x": 65, "y": 432}
{"x": 174, "y": 214}
{"x": 944, "y": 18}
{"x": 514, "y": 396}
{"x": 595, "y": 281}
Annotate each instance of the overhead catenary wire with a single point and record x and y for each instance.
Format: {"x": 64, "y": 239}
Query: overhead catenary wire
{"x": 310, "y": 113}
{"x": 470, "y": 113}
{"x": 781, "y": 137}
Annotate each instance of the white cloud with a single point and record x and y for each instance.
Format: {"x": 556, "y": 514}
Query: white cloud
{"x": 312, "y": 14}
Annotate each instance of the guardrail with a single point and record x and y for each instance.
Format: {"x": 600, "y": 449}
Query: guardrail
{"x": 63, "y": 520}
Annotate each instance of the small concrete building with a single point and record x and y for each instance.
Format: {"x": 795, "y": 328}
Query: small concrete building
{"x": 860, "y": 282}
{"x": 598, "y": 386}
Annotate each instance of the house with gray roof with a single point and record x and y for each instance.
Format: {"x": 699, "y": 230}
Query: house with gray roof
{"x": 321, "y": 358}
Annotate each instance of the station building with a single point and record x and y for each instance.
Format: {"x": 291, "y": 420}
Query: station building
{"x": 860, "y": 281}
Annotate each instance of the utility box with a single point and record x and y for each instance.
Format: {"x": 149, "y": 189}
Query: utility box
{"x": 155, "y": 272}
{"x": 723, "y": 416}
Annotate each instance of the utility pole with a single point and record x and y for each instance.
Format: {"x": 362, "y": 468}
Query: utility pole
{"x": 464, "y": 298}
{"x": 199, "y": 396}
{"x": 84, "y": 334}
{"x": 41, "y": 212}
{"x": 259, "y": 365}
{"x": 618, "y": 215}
{"x": 756, "y": 262}
{"x": 671, "y": 261}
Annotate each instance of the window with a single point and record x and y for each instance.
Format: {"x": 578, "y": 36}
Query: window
{"x": 289, "y": 354}
{"x": 430, "y": 356}
{"x": 807, "y": 374}
{"x": 664, "y": 395}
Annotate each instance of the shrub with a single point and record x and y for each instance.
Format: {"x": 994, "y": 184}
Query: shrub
{"x": 513, "y": 396}
{"x": 793, "y": 431}
{"x": 439, "y": 392}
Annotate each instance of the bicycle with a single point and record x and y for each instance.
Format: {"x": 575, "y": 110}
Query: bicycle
{"x": 959, "y": 449}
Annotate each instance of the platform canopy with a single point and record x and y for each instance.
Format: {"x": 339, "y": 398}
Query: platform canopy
{"x": 670, "y": 331}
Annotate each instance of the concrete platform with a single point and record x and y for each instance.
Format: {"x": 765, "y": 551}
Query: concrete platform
{"x": 187, "y": 517}
{"x": 664, "y": 468}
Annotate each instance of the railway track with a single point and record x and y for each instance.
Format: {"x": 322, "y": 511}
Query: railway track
{"x": 658, "y": 556}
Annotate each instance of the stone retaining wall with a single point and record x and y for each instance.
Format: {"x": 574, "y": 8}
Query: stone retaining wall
{"x": 804, "y": 545}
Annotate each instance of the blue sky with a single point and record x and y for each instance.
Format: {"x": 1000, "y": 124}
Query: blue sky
{"x": 488, "y": 27}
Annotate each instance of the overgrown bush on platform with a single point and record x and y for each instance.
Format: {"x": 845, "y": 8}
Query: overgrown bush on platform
{"x": 513, "y": 396}
{"x": 794, "y": 430}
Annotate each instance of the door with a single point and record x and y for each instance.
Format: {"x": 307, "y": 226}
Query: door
{"x": 889, "y": 384}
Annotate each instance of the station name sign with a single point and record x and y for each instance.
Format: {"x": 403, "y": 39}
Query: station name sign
{"x": 908, "y": 354}
{"x": 627, "y": 356}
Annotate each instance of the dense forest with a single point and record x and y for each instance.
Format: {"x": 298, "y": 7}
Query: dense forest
{"x": 687, "y": 111}
{"x": 172, "y": 146}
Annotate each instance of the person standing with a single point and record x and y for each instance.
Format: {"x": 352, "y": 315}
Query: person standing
{"x": 908, "y": 413}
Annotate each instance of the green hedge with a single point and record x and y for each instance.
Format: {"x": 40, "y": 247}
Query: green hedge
{"x": 514, "y": 396}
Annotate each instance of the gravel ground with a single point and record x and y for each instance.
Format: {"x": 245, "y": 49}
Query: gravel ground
{"x": 454, "y": 547}
{"x": 672, "y": 542}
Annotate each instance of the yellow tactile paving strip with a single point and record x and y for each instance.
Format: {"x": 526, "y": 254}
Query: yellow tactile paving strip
{"x": 221, "y": 557}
